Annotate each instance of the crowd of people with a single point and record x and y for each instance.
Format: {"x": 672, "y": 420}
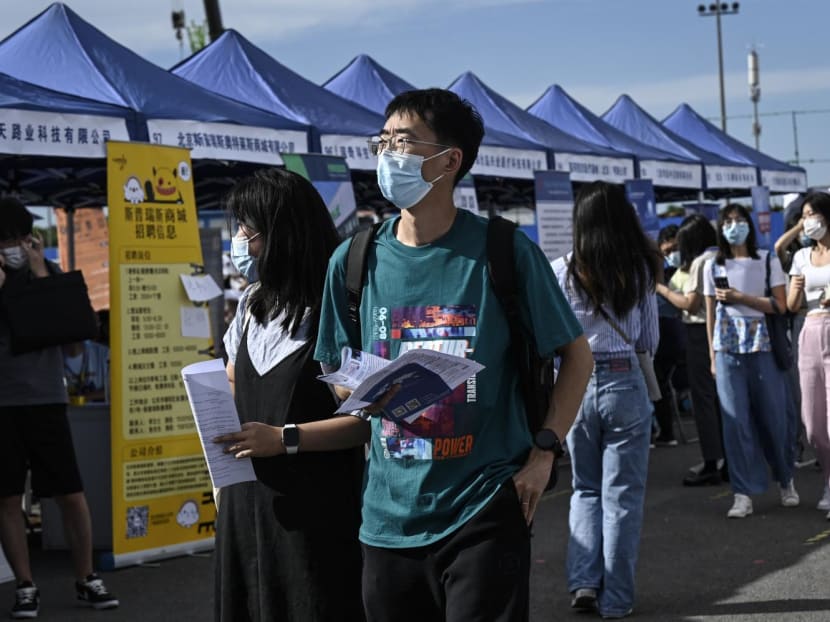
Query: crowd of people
{"x": 445, "y": 534}
{"x": 747, "y": 389}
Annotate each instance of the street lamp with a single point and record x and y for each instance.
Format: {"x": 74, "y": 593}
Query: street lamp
{"x": 754, "y": 94}
{"x": 717, "y": 9}
{"x": 177, "y": 17}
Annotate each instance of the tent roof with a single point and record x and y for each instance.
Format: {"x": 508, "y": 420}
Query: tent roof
{"x": 562, "y": 111}
{"x": 693, "y": 127}
{"x": 59, "y": 50}
{"x": 502, "y": 115}
{"x": 235, "y": 67}
{"x": 366, "y": 82}
{"x": 628, "y": 117}
{"x": 23, "y": 95}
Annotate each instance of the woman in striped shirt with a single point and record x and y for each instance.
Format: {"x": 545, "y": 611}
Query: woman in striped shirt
{"x": 609, "y": 280}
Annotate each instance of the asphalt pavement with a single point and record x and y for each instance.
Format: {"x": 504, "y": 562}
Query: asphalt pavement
{"x": 695, "y": 564}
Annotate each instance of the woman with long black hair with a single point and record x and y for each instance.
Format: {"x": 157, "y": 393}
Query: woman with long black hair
{"x": 697, "y": 243}
{"x": 286, "y": 544}
{"x": 609, "y": 280}
{"x": 751, "y": 388}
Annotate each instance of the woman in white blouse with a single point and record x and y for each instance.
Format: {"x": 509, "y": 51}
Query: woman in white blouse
{"x": 810, "y": 281}
{"x": 751, "y": 387}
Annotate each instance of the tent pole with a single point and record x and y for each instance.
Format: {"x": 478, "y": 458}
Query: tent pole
{"x": 70, "y": 236}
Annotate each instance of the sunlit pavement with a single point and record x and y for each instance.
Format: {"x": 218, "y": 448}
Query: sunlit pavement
{"x": 695, "y": 564}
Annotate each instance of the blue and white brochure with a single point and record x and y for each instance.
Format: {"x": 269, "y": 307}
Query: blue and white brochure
{"x": 425, "y": 377}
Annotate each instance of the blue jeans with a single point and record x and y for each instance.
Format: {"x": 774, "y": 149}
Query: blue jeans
{"x": 609, "y": 445}
{"x": 756, "y": 428}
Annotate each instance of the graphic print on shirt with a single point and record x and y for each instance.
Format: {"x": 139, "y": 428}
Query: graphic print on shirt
{"x": 439, "y": 432}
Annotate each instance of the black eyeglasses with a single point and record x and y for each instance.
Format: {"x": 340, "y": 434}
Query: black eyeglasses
{"x": 397, "y": 144}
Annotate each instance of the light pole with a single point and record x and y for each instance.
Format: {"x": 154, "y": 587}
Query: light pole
{"x": 754, "y": 94}
{"x": 214, "y": 19}
{"x": 717, "y": 9}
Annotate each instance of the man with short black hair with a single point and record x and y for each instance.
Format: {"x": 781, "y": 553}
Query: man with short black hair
{"x": 35, "y": 431}
{"x": 449, "y": 497}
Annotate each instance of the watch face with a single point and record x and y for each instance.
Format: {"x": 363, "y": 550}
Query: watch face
{"x": 290, "y": 436}
{"x": 545, "y": 439}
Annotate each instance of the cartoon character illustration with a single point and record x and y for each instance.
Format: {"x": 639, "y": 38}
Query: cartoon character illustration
{"x": 163, "y": 187}
{"x": 188, "y": 514}
{"x": 132, "y": 190}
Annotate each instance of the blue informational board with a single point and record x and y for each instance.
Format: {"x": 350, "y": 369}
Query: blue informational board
{"x": 554, "y": 212}
{"x": 640, "y": 193}
{"x": 761, "y": 217}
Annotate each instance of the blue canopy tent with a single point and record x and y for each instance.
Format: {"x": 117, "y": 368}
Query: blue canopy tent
{"x": 236, "y": 68}
{"x": 59, "y": 50}
{"x": 371, "y": 85}
{"x": 584, "y": 161}
{"x": 366, "y": 82}
{"x": 670, "y": 173}
{"x": 723, "y": 177}
{"x": 52, "y": 144}
{"x": 776, "y": 175}
{"x": 502, "y": 157}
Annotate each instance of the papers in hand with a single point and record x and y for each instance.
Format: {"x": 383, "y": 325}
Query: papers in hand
{"x": 425, "y": 377}
{"x": 214, "y": 411}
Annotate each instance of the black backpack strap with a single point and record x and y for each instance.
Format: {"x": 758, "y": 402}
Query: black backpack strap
{"x": 535, "y": 372}
{"x": 356, "y": 274}
{"x": 502, "y": 268}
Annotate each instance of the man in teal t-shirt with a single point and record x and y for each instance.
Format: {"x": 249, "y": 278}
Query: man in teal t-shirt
{"x": 449, "y": 497}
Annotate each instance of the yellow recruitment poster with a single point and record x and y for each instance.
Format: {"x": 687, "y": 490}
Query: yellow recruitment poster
{"x": 162, "y": 503}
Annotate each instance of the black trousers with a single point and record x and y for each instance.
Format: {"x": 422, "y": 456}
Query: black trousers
{"x": 479, "y": 573}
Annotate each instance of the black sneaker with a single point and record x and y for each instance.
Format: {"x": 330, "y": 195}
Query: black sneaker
{"x": 26, "y": 601}
{"x": 93, "y": 591}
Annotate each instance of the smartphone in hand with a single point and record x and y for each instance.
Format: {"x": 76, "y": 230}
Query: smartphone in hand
{"x": 721, "y": 282}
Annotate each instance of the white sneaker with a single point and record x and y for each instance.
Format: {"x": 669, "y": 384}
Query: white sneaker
{"x": 824, "y": 504}
{"x": 789, "y": 496}
{"x": 741, "y": 507}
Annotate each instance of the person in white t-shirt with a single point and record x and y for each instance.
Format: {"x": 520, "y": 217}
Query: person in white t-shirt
{"x": 751, "y": 387}
{"x": 810, "y": 281}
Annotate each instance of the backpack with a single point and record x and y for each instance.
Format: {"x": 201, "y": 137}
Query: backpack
{"x": 535, "y": 372}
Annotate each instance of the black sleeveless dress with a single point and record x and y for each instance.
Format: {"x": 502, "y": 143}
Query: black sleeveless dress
{"x": 287, "y": 545}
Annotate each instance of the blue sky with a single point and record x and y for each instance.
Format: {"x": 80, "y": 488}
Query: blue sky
{"x": 658, "y": 51}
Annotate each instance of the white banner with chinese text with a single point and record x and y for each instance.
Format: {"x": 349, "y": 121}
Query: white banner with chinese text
{"x": 672, "y": 174}
{"x": 506, "y": 162}
{"x": 584, "y": 167}
{"x": 227, "y": 141}
{"x": 784, "y": 181}
{"x": 30, "y": 132}
{"x": 354, "y": 149}
{"x": 731, "y": 177}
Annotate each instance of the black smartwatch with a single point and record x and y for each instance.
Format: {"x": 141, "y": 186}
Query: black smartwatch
{"x": 291, "y": 438}
{"x": 546, "y": 440}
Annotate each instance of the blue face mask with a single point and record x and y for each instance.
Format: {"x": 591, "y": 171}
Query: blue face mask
{"x": 736, "y": 233}
{"x": 242, "y": 259}
{"x": 805, "y": 240}
{"x": 400, "y": 179}
{"x": 673, "y": 259}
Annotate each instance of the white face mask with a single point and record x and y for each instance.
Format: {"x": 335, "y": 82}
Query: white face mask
{"x": 400, "y": 179}
{"x": 814, "y": 228}
{"x": 242, "y": 259}
{"x": 16, "y": 257}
